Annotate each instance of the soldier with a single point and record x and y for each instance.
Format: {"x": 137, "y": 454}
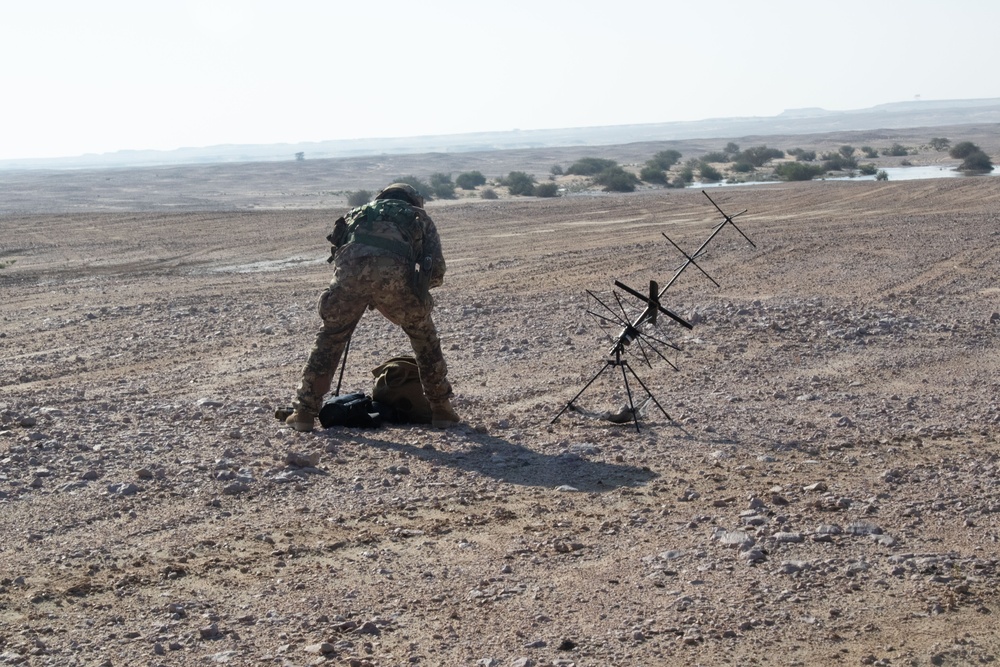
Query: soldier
{"x": 377, "y": 248}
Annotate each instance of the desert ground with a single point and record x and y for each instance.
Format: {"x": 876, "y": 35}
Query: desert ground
{"x": 823, "y": 492}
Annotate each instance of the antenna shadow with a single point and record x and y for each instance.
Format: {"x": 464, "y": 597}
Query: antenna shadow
{"x": 503, "y": 460}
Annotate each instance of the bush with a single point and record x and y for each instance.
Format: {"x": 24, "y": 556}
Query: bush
{"x": 882, "y": 175}
{"x": 470, "y": 180}
{"x": 963, "y": 149}
{"x": 869, "y": 152}
{"x": 731, "y": 148}
{"x": 616, "y": 179}
{"x": 589, "y": 166}
{"x": 977, "y": 162}
{"x": 520, "y": 183}
{"x": 442, "y": 186}
{"x": 686, "y": 174}
{"x": 358, "y": 198}
{"x": 488, "y": 193}
{"x": 743, "y": 167}
{"x": 709, "y": 174}
{"x": 678, "y": 183}
{"x": 846, "y": 151}
{"x": 798, "y": 171}
{"x": 547, "y": 189}
{"x": 896, "y": 150}
{"x": 758, "y": 156}
{"x": 556, "y": 170}
{"x": 665, "y": 159}
{"x": 868, "y": 169}
{"x": 940, "y": 144}
{"x": 422, "y": 188}
{"x": 653, "y": 174}
{"x": 716, "y": 156}
{"x": 806, "y": 156}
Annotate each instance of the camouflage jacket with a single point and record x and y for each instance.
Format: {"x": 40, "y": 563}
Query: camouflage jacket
{"x": 389, "y": 227}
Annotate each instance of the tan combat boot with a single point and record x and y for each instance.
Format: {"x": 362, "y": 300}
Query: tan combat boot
{"x": 301, "y": 420}
{"x": 443, "y": 415}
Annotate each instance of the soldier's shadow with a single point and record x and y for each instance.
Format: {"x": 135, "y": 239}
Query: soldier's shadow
{"x": 504, "y": 460}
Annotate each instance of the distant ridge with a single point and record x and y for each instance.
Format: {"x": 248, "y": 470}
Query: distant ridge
{"x": 895, "y": 115}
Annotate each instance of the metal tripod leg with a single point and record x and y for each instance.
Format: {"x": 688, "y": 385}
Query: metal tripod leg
{"x": 607, "y": 363}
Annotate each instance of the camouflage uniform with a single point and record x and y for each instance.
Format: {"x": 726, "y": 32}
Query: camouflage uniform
{"x": 371, "y": 270}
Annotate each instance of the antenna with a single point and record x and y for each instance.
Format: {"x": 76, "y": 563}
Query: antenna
{"x": 639, "y": 330}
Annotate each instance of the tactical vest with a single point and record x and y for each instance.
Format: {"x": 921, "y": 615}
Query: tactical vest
{"x": 387, "y": 224}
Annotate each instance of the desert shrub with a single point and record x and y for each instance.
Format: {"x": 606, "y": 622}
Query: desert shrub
{"x": 896, "y": 150}
{"x": 715, "y": 156}
{"x": 837, "y": 162}
{"x": 4, "y": 265}
{"x": 547, "y": 189}
{"x": 590, "y": 166}
{"x": 743, "y": 167}
{"x": 962, "y": 150}
{"x": 442, "y": 186}
{"x": 470, "y": 180}
{"x": 556, "y": 170}
{"x": 846, "y": 151}
{"x": 358, "y": 198}
{"x": 868, "y": 169}
{"x": 806, "y": 156}
{"x": 488, "y": 193}
{"x": 798, "y": 171}
{"x": 940, "y": 144}
{"x": 653, "y": 174}
{"x": 758, "y": 156}
{"x": 424, "y": 190}
{"x": 664, "y": 159}
{"x": 686, "y": 174}
{"x": 977, "y": 162}
{"x": 709, "y": 174}
{"x": 882, "y": 175}
{"x": 520, "y": 183}
{"x": 678, "y": 182}
{"x": 731, "y": 148}
{"x": 869, "y": 152}
{"x": 616, "y": 179}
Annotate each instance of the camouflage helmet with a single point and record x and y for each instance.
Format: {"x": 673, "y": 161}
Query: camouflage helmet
{"x": 403, "y": 192}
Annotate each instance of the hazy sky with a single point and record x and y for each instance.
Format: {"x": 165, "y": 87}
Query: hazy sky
{"x": 94, "y": 76}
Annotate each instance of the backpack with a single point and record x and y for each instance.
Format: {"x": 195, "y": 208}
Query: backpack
{"x": 353, "y": 410}
{"x": 388, "y": 224}
{"x": 397, "y": 385}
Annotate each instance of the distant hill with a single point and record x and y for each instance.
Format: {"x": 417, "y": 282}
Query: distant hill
{"x": 897, "y": 115}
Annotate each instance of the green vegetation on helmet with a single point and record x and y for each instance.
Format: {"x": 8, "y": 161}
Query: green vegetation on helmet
{"x": 402, "y": 192}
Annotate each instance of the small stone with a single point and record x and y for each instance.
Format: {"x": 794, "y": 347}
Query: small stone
{"x": 324, "y": 648}
{"x": 209, "y": 631}
{"x": 123, "y": 489}
{"x": 818, "y": 487}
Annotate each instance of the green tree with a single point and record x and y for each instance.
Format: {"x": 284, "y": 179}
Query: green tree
{"x": 709, "y": 174}
{"x": 470, "y": 180}
{"x": 547, "y": 189}
{"x": 520, "y": 183}
{"x": 940, "y": 144}
{"x": 424, "y": 190}
{"x": 798, "y": 171}
{"x": 962, "y": 150}
{"x": 664, "y": 159}
{"x": 977, "y": 162}
{"x": 758, "y": 156}
{"x": 732, "y": 148}
{"x": 616, "y": 179}
{"x": 442, "y": 186}
{"x": 653, "y": 174}
{"x": 589, "y": 166}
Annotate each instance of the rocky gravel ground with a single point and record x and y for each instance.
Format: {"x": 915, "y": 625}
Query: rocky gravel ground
{"x": 824, "y": 491}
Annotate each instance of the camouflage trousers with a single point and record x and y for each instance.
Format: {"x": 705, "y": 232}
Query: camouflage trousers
{"x": 382, "y": 282}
